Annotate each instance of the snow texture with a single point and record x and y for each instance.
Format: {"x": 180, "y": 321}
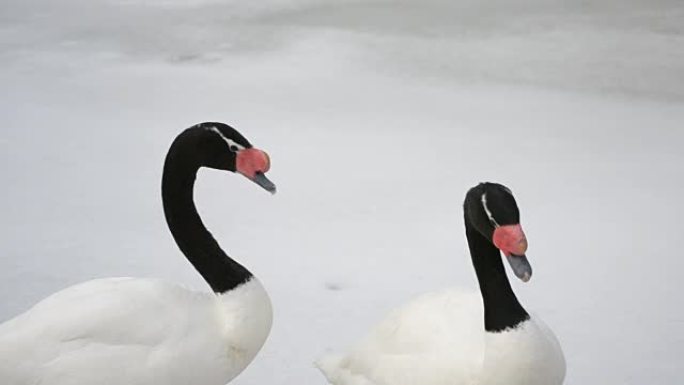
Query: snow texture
{"x": 378, "y": 116}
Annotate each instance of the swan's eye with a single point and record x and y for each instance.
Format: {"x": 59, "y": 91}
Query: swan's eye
{"x": 232, "y": 145}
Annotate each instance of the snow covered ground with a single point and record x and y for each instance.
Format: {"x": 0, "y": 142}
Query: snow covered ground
{"x": 378, "y": 116}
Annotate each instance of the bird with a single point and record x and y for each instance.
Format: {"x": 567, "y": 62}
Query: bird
{"x": 139, "y": 331}
{"x": 458, "y": 337}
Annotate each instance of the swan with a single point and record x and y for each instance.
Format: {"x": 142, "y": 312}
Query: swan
{"x": 135, "y": 331}
{"x": 439, "y": 339}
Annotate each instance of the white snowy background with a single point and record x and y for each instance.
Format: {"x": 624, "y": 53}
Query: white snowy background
{"x": 378, "y": 116}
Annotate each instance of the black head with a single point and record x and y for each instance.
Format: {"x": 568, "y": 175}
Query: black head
{"x": 220, "y": 146}
{"x": 217, "y": 145}
{"x": 491, "y": 205}
{"x": 491, "y": 209}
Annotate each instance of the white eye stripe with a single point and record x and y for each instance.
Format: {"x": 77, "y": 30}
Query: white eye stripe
{"x": 486, "y": 209}
{"x": 231, "y": 143}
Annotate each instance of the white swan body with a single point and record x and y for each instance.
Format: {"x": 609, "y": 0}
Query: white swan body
{"x": 131, "y": 331}
{"x": 438, "y": 339}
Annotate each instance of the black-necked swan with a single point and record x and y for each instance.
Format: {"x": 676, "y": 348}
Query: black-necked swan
{"x": 439, "y": 339}
{"x": 132, "y": 331}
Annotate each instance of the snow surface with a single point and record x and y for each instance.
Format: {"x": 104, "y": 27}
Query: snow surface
{"x": 378, "y": 116}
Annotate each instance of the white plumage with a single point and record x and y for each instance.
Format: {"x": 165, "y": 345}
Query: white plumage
{"x": 438, "y": 339}
{"x": 135, "y": 331}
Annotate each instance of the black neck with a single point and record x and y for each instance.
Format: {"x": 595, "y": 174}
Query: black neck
{"x": 220, "y": 271}
{"x": 501, "y": 307}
